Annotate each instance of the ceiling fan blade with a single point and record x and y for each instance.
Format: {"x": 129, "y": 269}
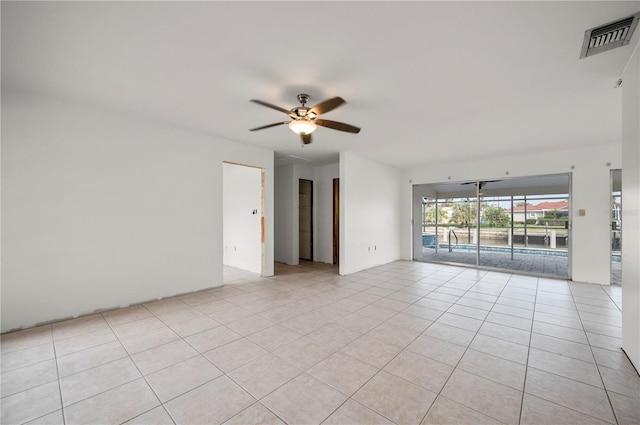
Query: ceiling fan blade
{"x": 269, "y": 105}
{"x": 338, "y": 126}
{"x": 269, "y": 126}
{"x": 306, "y": 138}
{"x": 327, "y": 105}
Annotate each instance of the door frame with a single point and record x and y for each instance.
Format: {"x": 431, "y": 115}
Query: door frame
{"x": 336, "y": 221}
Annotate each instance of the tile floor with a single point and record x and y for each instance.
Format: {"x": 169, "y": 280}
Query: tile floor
{"x": 403, "y": 343}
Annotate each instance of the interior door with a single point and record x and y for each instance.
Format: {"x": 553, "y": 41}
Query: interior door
{"x": 243, "y": 217}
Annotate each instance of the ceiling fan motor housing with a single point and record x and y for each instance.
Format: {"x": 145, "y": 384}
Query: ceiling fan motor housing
{"x": 302, "y": 112}
{"x": 303, "y": 98}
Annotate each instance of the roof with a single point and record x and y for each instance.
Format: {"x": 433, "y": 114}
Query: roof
{"x": 545, "y": 206}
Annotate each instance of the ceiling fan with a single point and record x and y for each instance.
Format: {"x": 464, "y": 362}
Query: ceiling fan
{"x": 481, "y": 184}
{"x": 304, "y": 120}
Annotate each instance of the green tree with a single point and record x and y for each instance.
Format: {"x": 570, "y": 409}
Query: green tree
{"x": 495, "y": 216}
{"x": 463, "y": 213}
{"x": 430, "y": 213}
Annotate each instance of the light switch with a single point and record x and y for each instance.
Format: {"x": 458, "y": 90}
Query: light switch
{"x": 582, "y": 212}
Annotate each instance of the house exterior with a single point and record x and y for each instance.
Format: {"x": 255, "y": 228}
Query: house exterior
{"x": 539, "y": 210}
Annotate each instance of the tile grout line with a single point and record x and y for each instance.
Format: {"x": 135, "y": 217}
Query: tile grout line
{"x": 350, "y": 397}
{"x": 526, "y": 367}
{"x": 270, "y": 352}
{"x": 564, "y": 377}
{"x": 41, "y": 384}
{"x": 604, "y": 387}
{"x": 224, "y": 373}
{"x": 506, "y": 284}
{"x": 439, "y": 394}
{"x": 55, "y": 356}
{"x": 405, "y": 348}
{"x": 380, "y": 369}
{"x": 139, "y": 371}
{"x": 612, "y": 300}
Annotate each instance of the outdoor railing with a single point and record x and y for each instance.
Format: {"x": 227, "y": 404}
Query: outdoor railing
{"x": 454, "y": 234}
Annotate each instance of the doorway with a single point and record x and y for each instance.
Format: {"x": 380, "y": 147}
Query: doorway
{"x": 305, "y": 219}
{"x": 616, "y": 227}
{"x": 243, "y": 217}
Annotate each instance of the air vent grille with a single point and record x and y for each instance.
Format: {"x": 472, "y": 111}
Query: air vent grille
{"x": 608, "y": 36}
{"x": 289, "y": 159}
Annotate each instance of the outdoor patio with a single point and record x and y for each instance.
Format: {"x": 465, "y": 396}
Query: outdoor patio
{"x": 548, "y": 265}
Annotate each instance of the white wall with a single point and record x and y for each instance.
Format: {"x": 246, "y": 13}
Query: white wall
{"x": 631, "y": 209}
{"x": 323, "y": 214}
{"x": 242, "y": 212}
{"x": 286, "y": 215}
{"x": 370, "y": 213}
{"x": 590, "y": 235}
{"x": 101, "y": 210}
{"x": 286, "y": 211}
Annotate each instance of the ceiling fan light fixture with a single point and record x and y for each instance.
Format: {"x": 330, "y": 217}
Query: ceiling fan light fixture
{"x": 302, "y": 126}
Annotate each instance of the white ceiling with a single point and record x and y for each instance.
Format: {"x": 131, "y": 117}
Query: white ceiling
{"x": 427, "y": 81}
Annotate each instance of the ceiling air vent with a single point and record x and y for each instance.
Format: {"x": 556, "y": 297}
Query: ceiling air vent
{"x": 609, "y": 36}
{"x": 289, "y": 159}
